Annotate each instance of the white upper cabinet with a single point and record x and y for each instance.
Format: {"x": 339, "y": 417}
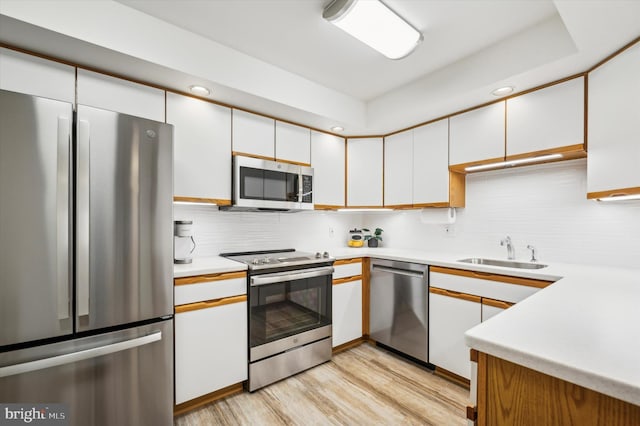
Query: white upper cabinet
{"x": 477, "y": 135}
{"x": 613, "y": 164}
{"x": 430, "y": 163}
{"x": 114, "y": 94}
{"x": 327, "y": 160}
{"x": 398, "y": 169}
{"x": 293, "y": 143}
{"x": 36, "y": 76}
{"x": 202, "y": 148}
{"x": 364, "y": 172}
{"x": 253, "y": 134}
{"x": 546, "y": 119}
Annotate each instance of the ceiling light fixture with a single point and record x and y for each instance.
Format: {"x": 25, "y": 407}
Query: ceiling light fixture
{"x": 620, "y": 198}
{"x": 374, "y": 24}
{"x": 200, "y": 90}
{"x": 512, "y": 162}
{"x": 502, "y": 91}
{"x": 337, "y": 129}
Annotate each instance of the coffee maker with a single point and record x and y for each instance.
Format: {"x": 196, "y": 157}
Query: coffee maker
{"x": 183, "y": 242}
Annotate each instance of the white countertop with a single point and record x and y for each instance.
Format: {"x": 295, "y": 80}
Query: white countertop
{"x": 207, "y": 265}
{"x": 585, "y": 328}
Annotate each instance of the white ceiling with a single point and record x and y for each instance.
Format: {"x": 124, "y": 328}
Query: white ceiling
{"x": 292, "y": 34}
{"x": 281, "y": 58}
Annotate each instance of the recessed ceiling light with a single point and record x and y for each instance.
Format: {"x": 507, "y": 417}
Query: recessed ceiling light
{"x": 374, "y": 24}
{"x": 337, "y": 129}
{"x": 200, "y": 90}
{"x": 502, "y": 91}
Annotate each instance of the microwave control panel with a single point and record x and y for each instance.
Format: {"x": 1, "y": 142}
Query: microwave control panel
{"x": 307, "y": 188}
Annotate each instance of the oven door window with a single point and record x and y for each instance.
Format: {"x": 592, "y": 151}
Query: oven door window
{"x": 283, "y": 309}
{"x": 259, "y": 184}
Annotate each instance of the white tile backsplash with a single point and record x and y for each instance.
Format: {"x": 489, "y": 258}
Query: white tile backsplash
{"x": 545, "y": 206}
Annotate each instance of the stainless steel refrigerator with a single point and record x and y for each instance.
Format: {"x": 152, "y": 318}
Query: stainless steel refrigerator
{"x": 86, "y": 292}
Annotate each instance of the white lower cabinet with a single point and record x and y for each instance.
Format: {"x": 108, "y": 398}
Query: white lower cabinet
{"x": 347, "y": 312}
{"x": 210, "y": 349}
{"x": 210, "y": 335}
{"x": 460, "y": 300}
{"x": 450, "y": 315}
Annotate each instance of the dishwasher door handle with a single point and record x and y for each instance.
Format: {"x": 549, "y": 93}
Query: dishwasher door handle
{"x": 398, "y": 271}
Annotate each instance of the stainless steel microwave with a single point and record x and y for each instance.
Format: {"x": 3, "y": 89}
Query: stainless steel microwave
{"x": 263, "y": 185}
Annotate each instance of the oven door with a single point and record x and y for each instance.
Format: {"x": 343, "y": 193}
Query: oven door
{"x": 288, "y": 309}
{"x": 266, "y": 184}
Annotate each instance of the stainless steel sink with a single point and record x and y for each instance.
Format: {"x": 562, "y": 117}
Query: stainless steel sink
{"x": 505, "y": 263}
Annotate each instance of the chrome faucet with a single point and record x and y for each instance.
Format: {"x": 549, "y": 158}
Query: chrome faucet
{"x": 533, "y": 253}
{"x": 511, "y": 253}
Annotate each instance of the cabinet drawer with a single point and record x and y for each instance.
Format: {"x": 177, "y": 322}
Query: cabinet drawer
{"x": 500, "y": 287}
{"x": 347, "y": 268}
{"x": 209, "y": 287}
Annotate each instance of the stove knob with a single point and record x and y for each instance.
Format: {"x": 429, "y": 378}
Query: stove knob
{"x": 318, "y": 255}
{"x": 266, "y": 260}
{"x": 325, "y": 254}
{"x": 255, "y": 261}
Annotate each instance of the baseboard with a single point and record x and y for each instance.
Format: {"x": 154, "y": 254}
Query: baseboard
{"x": 185, "y": 407}
{"x": 452, "y": 377}
{"x": 348, "y": 345}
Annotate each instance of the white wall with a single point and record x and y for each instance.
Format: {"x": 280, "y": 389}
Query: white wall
{"x": 545, "y": 206}
{"x": 217, "y": 232}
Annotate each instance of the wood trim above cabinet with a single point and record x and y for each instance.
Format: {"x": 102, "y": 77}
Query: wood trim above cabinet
{"x": 496, "y": 303}
{"x": 209, "y": 277}
{"x": 296, "y": 163}
{"x": 455, "y": 294}
{"x": 246, "y": 154}
{"x": 347, "y": 279}
{"x": 568, "y": 152}
{"x": 212, "y": 201}
{"x": 210, "y": 304}
{"x": 507, "y": 279}
{"x": 347, "y": 261}
{"x": 614, "y": 193}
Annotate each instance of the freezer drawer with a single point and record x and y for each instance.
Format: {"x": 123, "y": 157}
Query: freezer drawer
{"x": 118, "y": 378}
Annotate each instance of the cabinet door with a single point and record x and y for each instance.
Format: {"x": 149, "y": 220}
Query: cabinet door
{"x": 477, "y": 135}
{"x": 253, "y": 134}
{"x": 347, "y": 312}
{"x": 293, "y": 143}
{"x": 550, "y": 118}
{"x": 210, "y": 349}
{"x": 364, "y": 172}
{"x": 202, "y": 149}
{"x": 114, "y": 94}
{"x": 398, "y": 169}
{"x": 431, "y": 163}
{"x": 450, "y": 316}
{"x": 614, "y": 125}
{"x": 327, "y": 160}
{"x": 31, "y": 75}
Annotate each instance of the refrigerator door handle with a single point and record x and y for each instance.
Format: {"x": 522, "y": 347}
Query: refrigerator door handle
{"x": 62, "y": 217}
{"x": 72, "y": 357}
{"x": 82, "y": 218}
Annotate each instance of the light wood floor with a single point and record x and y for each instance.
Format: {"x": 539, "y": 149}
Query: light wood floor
{"x": 362, "y": 386}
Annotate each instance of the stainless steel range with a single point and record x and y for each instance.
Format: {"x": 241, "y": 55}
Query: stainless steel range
{"x": 289, "y": 312}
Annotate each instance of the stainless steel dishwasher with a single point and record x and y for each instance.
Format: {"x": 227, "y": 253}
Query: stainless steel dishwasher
{"x": 399, "y": 307}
